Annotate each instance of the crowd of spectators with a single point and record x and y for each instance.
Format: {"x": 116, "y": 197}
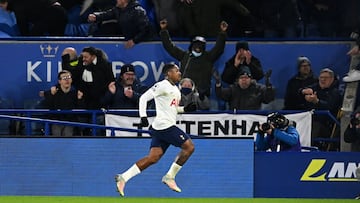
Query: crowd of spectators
{"x": 138, "y": 21}
{"x": 186, "y": 18}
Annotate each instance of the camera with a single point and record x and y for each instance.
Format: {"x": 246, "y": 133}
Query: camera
{"x": 265, "y": 127}
{"x": 279, "y": 121}
{"x": 354, "y": 121}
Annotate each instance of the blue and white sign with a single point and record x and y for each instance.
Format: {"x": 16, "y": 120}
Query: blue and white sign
{"x": 31, "y": 66}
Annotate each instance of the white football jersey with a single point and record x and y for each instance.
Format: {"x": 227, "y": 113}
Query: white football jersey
{"x": 167, "y": 97}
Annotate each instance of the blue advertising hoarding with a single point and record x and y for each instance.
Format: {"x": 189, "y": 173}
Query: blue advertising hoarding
{"x": 226, "y": 167}
{"x": 306, "y": 175}
{"x": 31, "y": 66}
{"x": 219, "y": 167}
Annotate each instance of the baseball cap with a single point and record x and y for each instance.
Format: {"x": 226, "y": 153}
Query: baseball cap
{"x": 127, "y": 68}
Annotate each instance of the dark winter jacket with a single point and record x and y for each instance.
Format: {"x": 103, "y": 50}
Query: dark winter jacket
{"x": 132, "y": 21}
{"x": 329, "y": 98}
{"x": 250, "y": 98}
{"x": 39, "y": 13}
{"x": 120, "y": 101}
{"x": 199, "y": 69}
{"x": 294, "y": 100}
{"x": 93, "y": 91}
{"x": 62, "y": 101}
{"x": 231, "y": 72}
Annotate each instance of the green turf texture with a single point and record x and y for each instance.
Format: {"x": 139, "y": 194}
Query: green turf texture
{"x": 53, "y": 199}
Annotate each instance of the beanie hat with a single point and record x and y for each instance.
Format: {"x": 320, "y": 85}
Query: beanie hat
{"x": 245, "y": 70}
{"x": 127, "y": 68}
{"x": 242, "y": 45}
{"x": 303, "y": 59}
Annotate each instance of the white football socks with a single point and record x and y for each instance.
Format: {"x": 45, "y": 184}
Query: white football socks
{"x": 131, "y": 172}
{"x": 174, "y": 169}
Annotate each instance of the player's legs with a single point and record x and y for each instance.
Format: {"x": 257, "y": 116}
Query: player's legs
{"x": 154, "y": 156}
{"x": 187, "y": 148}
{"x": 178, "y": 138}
{"x": 157, "y": 149}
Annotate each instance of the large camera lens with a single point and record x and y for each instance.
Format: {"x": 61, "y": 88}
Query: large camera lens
{"x": 265, "y": 126}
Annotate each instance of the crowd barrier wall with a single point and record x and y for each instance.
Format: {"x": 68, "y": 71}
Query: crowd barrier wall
{"x": 87, "y": 166}
{"x": 31, "y": 65}
{"x": 306, "y": 175}
{"x": 226, "y": 167}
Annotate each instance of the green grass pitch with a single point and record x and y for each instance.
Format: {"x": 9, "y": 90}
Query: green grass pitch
{"x": 55, "y": 199}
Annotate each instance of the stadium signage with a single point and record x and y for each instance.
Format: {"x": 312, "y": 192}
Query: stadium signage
{"x": 38, "y": 69}
{"x": 338, "y": 171}
{"x": 221, "y": 125}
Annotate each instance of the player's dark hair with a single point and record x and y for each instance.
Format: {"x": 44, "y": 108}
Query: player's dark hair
{"x": 167, "y": 67}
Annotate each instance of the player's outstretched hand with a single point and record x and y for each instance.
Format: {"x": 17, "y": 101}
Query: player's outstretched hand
{"x": 144, "y": 122}
{"x": 190, "y": 107}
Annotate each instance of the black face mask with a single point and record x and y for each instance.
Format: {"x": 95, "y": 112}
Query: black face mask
{"x": 186, "y": 90}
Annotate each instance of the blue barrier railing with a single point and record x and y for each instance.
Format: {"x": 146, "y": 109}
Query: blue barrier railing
{"x": 28, "y": 119}
{"x": 32, "y": 115}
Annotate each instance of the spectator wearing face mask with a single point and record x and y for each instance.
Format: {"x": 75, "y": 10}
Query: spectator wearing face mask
{"x": 189, "y": 94}
{"x": 196, "y": 63}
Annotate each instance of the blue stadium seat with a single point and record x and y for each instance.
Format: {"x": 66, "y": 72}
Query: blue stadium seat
{"x": 8, "y": 24}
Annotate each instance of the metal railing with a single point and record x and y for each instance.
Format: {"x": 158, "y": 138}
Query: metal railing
{"x": 29, "y": 116}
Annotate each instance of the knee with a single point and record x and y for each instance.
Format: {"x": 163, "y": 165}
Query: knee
{"x": 154, "y": 158}
{"x": 189, "y": 147}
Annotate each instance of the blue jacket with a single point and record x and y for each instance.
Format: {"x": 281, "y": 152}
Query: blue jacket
{"x": 288, "y": 139}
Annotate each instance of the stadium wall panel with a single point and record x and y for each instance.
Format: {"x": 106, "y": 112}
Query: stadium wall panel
{"x": 219, "y": 167}
{"x": 306, "y": 175}
{"x": 40, "y": 61}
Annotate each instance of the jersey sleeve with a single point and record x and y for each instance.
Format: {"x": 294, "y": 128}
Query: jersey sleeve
{"x": 144, "y": 98}
{"x": 147, "y": 96}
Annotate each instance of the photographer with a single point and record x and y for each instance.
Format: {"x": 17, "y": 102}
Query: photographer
{"x": 352, "y": 132}
{"x": 278, "y": 134}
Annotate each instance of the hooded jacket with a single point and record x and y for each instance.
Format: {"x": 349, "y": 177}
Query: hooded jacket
{"x": 199, "y": 69}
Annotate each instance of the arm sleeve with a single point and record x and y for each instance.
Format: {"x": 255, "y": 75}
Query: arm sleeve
{"x": 219, "y": 47}
{"x": 350, "y": 135}
{"x": 261, "y": 143}
{"x": 290, "y": 136}
{"x": 144, "y": 26}
{"x": 105, "y": 15}
{"x": 268, "y": 94}
{"x": 170, "y": 47}
{"x": 147, "y": 96}
{"x": 180, "y": 109}
{"x": 230, "y": 72}
{"x": 256, "y": 68}
{"x": 223, "y": 93}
